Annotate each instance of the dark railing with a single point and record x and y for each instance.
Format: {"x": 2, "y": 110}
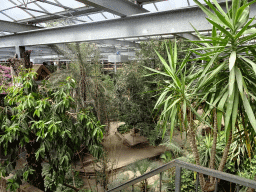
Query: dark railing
{"x": 178, "y": 167}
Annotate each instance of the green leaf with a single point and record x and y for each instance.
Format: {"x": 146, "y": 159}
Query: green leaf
{"x": 161, "y": 98}
{"x": 229, "y": 111}
{"x": 220, "y": 9}
{"x": 172, "y": 105}
{"x": 231, "y": 84}
{"x": 241, "y": 10}
{"x": 250, "y": 62}
{"x": 211, "y": 15}
{"x": 223, "y": 30}
{"x": 210, "y": 76}
{"x": 245, "y": 30}
{"x": 222, "y": 17}
{"x": 220, "y": 110}
{"x": 243, "y": 18}
{"x": 249, "y": 112}
{"x": 232, "y": 60}
{"x": 235, "y": 7}
{"x": 250, "y": 31}
{"x": 239, "y": 81}
{"x": 25, "y": 175}
{"x": 247, "y": 38}
{"x": 170, "y": 57}
{"x": 235, "y": 110}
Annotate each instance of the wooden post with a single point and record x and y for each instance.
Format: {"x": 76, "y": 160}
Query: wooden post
{"x": 58, "y": 65}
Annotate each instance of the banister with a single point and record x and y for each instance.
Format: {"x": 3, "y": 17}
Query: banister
{"x": 181, "y": 164}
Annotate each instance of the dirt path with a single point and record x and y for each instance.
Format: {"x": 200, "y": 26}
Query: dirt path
{"x": 121, "y": 155}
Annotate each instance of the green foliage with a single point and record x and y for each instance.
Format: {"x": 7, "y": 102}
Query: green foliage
{"x": 38, "y": 119}
{"x": 93, "y": 88}
{"x": 188, "y": 181}
{"x": 124, "y": 128}
{"x": 69, "y": 180}
{"x": 141, "y": 167}
{"x": 229, "y": 62}
{"x": 136, "y": 90}
{"x": 205, "y": 147}
{"x": 177, "y": 93}
{"x": 135, "y": 99}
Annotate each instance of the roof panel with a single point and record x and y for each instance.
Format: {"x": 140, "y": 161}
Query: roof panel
{"x": 163, "y": 6}
{"x": 84, "y": 18}
{"x": 110, "y": 15}
{"x": 3, "y": 17}
{"x": 97, "y": 17}
{"x": 35, "y": 13}
{"x": 150, "y": 7}
{"x": 5, "y": 4}
{"x": 17, "y": 13}
{"x": 71, "y": 3}
{"x": 51, "y": 8}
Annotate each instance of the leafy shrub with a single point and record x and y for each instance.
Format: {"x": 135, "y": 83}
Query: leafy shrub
{"x": 124, "y": 129}
{"x": 38, "y": 119}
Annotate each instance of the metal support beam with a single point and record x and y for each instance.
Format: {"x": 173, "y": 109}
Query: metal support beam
{"x": 188, "y": 36}
{"x": 118, "y": 43}
{"x": 58, "y": 15}
{"x": 118, "y": 7}
{"x": 12, "y": 27}
{"x": 131, "y": 54}
{"x": 6, "y": 55}
{"x": 149, "y": 24}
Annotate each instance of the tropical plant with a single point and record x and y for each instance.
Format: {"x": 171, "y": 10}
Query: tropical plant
{"x": 136, "y": 91}
{"x": 37, "y": 118}
{"x": 205, "y": 149}
{"x": 93, "y": 88}
{"x": 224, "y": 82}
{"x": 140, "y": 168}
{"x": 177, "y": 97}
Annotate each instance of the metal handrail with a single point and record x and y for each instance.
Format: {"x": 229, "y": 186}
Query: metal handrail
{"x": 181, "y": 164}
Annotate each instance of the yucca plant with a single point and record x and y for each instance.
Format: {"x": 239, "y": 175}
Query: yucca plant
{"x": 178, "y": 98}
{"x": 229, "y": 71}
{"x": 230, "y": 50}
{"x": 224, "y": 81}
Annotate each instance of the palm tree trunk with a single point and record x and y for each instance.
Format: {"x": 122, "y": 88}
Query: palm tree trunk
{"x": 214, "y": 143}
{"x": 193, "y": 145}
{"x": 225, "y": 153}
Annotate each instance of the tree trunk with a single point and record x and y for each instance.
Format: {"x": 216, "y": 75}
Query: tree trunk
{"x": 193, "y": 145}
{"x": 214, "y": 143}
{"x": 225, "y": 152}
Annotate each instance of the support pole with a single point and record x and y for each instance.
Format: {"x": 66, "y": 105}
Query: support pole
{"x": 19, "y": 51}
{"x": 178, "y": 179}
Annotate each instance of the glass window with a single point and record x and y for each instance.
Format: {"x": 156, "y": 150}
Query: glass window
{"x": 6, "y": 4}
{"x": 51, "y": 8}
{"x": 3, "y": 17}
{"x": 17, "y": 13}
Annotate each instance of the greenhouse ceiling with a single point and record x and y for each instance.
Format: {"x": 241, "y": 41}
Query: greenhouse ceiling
{"x": 43, "y": 26}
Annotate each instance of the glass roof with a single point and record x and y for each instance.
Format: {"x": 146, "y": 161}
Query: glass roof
{"x": 40, "y": 12}
{"x": 15, "y": 10}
